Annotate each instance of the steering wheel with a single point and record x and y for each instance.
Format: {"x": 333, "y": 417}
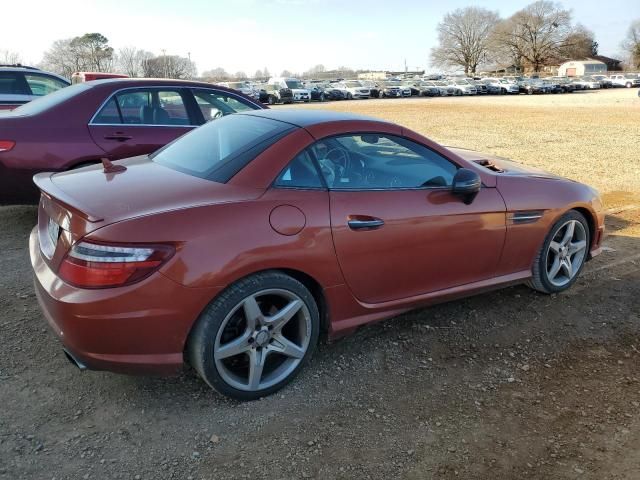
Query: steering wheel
{"x": 342, "y": 160}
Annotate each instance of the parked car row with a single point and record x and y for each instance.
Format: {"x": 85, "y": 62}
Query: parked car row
{"x": 289, "y": 90}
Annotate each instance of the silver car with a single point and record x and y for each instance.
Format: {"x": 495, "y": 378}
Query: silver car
{"x": 20, "y": 85}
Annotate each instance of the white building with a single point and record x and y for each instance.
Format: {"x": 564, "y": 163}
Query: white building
{"x": 579, "y": 68}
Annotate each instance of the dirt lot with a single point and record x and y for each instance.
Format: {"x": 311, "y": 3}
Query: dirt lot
{"x": 506, "y": 385}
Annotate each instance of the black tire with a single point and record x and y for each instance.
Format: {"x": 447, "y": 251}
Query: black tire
{"x": 539, "y": 280}
{"x": 201, "y": 341}
{"x": 628, "y": 85}
{"x": 349, "y": 96}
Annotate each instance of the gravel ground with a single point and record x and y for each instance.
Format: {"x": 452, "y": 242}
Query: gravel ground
{"x": 510, "y": 384}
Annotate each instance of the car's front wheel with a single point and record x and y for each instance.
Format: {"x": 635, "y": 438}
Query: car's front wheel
{"x": 256, "y": 336}
{"x": 563, "y": 254}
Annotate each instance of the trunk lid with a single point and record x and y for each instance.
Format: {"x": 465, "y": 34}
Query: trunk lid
{"x": 86, "y": 199}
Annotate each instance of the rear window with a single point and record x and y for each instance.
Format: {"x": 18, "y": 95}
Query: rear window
{"x": 46, "y": 102}
{"x": 11, "y": 83}
{"x": 219, "y": 149}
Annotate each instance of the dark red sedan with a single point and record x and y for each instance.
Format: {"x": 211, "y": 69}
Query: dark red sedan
{"x": 234, "y": 247}
{"x": 115, "y": 118}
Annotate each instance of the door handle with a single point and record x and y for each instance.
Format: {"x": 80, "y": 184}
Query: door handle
{"x": 120, "y": 137}
{"x": 360, "y": 224}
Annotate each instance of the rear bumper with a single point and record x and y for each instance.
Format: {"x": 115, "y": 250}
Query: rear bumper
{"x": 137, "y": 329}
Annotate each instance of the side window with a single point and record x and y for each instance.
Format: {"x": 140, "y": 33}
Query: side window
{"x": 109, "y": 114}
{"x": 42, "y": 84}
{"x": 214, "y": 104}
{"x": 171, "y": 110}
{"x": 300, "y": 173}
{"x": 12, "y": 83}
{"x": 135, "y": 107}
{"x": 374, "y": 161}
{"x": 145, "y": 107}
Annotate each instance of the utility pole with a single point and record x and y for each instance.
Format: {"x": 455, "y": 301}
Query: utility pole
{"x": 164, "y": 63}
{"x": 190, "y": 68}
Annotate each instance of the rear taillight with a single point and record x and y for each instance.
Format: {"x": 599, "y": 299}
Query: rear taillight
{"x": 92, "y": 265}
{"x": 6, "y": 145}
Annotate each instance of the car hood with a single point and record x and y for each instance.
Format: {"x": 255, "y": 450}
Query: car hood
{"x": 144, "y": 188}
{"x": 502, "y": 165}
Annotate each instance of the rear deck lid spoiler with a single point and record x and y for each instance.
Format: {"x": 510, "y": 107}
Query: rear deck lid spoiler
{"x": 46, "y": 185}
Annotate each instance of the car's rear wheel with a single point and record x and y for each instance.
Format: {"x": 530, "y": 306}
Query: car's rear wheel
{"x": 562, "y": 255}
{"x": 255, "y": 337}
{"x": 271, "y": 100}
{"x": 349, "y": 96}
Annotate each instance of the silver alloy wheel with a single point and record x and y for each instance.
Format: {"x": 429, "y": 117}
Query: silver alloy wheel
{"x": 566, "y": 253}
{"x": 262, "y": 340}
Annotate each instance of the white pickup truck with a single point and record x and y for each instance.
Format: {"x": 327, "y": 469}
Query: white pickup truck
{"x": 625, "y": 80}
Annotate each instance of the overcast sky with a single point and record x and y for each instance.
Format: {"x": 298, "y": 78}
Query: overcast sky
{"x": 244, "y": 35}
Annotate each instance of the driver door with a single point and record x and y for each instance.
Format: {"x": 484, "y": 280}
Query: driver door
{"x": 398, "y": 230}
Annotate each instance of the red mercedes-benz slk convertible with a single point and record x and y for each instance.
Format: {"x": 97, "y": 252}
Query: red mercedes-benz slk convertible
{"x": 233, "y": 247}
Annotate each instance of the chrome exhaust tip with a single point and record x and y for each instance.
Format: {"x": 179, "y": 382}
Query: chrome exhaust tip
{"x": 74, "y": 360}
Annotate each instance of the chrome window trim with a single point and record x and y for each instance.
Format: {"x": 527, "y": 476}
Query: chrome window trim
{"x": 153, "y": 87}
{"x": 140, "y": 125}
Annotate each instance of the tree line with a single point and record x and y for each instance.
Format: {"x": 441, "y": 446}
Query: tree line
{"x": 541, "y": 34}
{"x": 91, "y": 52}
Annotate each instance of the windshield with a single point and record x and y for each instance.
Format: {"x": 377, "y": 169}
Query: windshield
{"x": 353, "y": 84}
{"x": 392, "y": 83}
{"x": 293, "y": 83}
{"x": 219, "y": 149}
{"x": 46, "y": 102}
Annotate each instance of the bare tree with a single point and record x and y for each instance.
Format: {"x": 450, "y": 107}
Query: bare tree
{"x": 8, "y": 57}
{"x": 240, "y": 75}
{"x": 580, "y": 43}
{"x": 286, "y": 73}
{"x": 216, "y": 75}
{"x": 463, "y": 37}
{"x": 631, "y": 44}
{"x": 90, "y": 52}
{"x": 536, "y": 34}
{"x": 130, "y": 60}
{"x": 315, "y": 70}
{"x": 62, "y": 59}
{"x": 168, "y": 66}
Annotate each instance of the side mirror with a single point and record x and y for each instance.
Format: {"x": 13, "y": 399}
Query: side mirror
{"x": 466, "y": 183}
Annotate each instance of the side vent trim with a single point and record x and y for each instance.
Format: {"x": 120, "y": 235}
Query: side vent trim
{"x": 525, "y": 216}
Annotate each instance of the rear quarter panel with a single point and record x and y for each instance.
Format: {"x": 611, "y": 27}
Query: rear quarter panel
{"x": 219, "y": 244}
